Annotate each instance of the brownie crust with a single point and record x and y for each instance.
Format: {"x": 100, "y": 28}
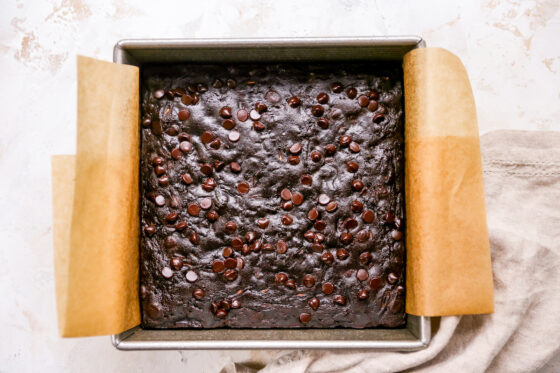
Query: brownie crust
{"x": 272, "y": 196}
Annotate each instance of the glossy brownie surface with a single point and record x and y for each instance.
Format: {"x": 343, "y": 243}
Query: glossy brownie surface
{"x": 272, "y": 196}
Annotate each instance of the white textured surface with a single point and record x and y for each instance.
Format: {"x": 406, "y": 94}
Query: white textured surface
{"x": 510, "y": 49}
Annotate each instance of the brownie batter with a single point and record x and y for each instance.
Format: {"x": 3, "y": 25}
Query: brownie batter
{"x": 272, "y": 196}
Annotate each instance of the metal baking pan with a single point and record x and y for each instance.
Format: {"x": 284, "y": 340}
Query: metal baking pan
{"x": 417, "y": 332}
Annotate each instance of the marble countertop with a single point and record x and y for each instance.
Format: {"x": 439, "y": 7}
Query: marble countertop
{"x": 510, "y": 49}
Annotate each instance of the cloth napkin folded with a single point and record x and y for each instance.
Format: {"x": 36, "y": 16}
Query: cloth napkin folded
{"x": 522, "y": 189}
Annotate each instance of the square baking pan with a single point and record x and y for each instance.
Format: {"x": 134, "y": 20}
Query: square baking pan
{"x": 417, "y": 332}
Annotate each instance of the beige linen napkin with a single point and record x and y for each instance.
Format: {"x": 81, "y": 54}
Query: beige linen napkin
{"x": 522, "y": 188}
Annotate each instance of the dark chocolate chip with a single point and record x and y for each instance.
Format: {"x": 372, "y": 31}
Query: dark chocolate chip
{"x": 313, "y": 214}
{"x": 206, "y": 137}
{"x": 194, "y": 238}
{"x": 242, "y": 115}
{"x": 306, "y": 179}
{"x": 273, "y": 97}
{"x": 198, "y": 293}
{"x": 237, "y": 243}
{"x": 159, "y": 170}
{"x": 281, "y": 277}
{"x": 378, "y": 118}
{"x": 368, "y": 216}
{"x": 209, "y": 184}
{"x": 163, "y": 181}
{"x": 365, "y": 257}
{"x": 258, "y": 126}
{"x": 218, "y": 266}
{"x": 363, "y": 294}
{"x": 287, "y": 219}
{"x": 309, "y": 236}
{"x": 345, "y": 140}
{"x": 193, "y": 209}
{"x": 294, "y": 101}
{"x": 314, "y": 303}
{"x": 206, "y": 169}
{"x": 373, "y": 95}
{"x": 150, "y": 230}
{"x": 352, "y": 92}
{"x": 228, "y": 124}
{"x": 327, "y": 288}
{"x": 396, "y": 234}
{"x": 295, "y": 148}
{"x": 308, "y": 281}
{"x": 323, "y": 123}
{"x": 327, "y": 258}
{"x": 231, "y": 227}
{"x": 254, "y": 115}
{"x": 157, "y": 128}
{"x": 350, "y": 223}
{"x": 293, "y": 160}
{"x": 221, "y": 313}
{"x": 316, "y": 156}
{"x": 330, "y": 149}
{"x": 354, "y": 147}
{"x": 154, "y": 310}
{"x": 225, "y": 112}
{"x": 357, "y": 206}
{"x": 320, "y": 225}
{"x": 231, "y": 83}
{"x": 206, "y": 203}
{"x": 176, "y": 263}
{"x": 352, "y": 166}
{"x": 392, "y": 278}
{"x": 281, "y": 247}
{"x": 235, "y": 303}
{"x": 342, "y": 254}
{"x": 331, "y": 206}
{"x": 322, "y": 98}
{"x": 304, "y": 317}
{"x": 171, "y": 217}
{"x": 262, "y": 223}
{"x": 297, "y": 198}
{"x": 230, "y": 263}
{"x": 337, "y": 87}
{"x": 227, "y": 252}
{"x": 287, "y": 205}
{"x": 357, "y": 185}
{"x": 212, "y": 215}
{"x": 375, "y": 283}
{"x": 339, "y": 299}
{"x": 159, "y": 93}
{"x": 235, "y": 167}
{"x": 261, "y": 107}
{"x": 217, "y": 83}
{"x": 243, "y": 187}
{"x": 185, "y": 146}
{"x": 290, "y": 284}
{"x": 362, "y": 274}
{"x": 389, "y": 217}
{"x": 216, "y": 143}
{"x": 317, "y": 110}
{"x": 184, "y": 115}
{"x": 372, "y": 106}
{"x": 183, "y": 137}
{"x": 363, "y": 101}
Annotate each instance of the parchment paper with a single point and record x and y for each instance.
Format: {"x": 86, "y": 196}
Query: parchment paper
{"x": 448, "y": 256}
{"x": 96, "y": 216}
{"x": 96, "y": 251}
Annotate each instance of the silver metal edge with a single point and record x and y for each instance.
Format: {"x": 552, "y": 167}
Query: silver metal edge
{"x": 424, "y": 325}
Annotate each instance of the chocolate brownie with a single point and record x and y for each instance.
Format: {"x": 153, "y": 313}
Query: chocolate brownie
{"x": 272, "y": 196}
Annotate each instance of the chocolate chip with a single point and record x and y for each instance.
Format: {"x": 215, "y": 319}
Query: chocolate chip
{"x": 375, "y": 283}
{"x": 172, "y": 131}
{"x": 169, "y": 242}
{"x": 363, "y": 101}
{"x": 392, "y": 278}
{"x": 167, "y": 272}
{"x": 218, "y": 266}
{"x": 352, "y": 166}
{"x": 352, "y": 92}
{"x": 154, "y": 310}
{"x": 389, "y": 217}
{"x": 230, "y": 263}
{"x": 191, "y": 88}
{"x": 261, "y": 107}
{"x": 256, "y": 246}
{"x": 297, "y": 198}
{"x": 185, "y": 146}
{"x": 242, "y": 115}
{"x": 235, "y": 167}
{"x": 243, "y": 187}
{"x": 268, "y": 247}
{"x": 362, "y": 274}
{"x": 159, "y": 93}
{"x": 281, "y": 247}
{"x": 146, "y": 122}
{"x": 357, "y": 185}
{"x": 294, "y": 101}
{"x": 357, "y": 206}
{"x": 212, "y": 215}
{"x": 228, "y": 124}
{"x": 378, "y": 118}
{"x": 314, "y": 303}
{"x": 150, "y": 230}
{"x": 317, "y": 110}
{"x": 345, "y": 140}
{"x": 323, "y": 199}
{"x": 309, "y": 236}
{"x": 237, "y": 243}
{"x": 316, "y": 156}
{"x": 373, "y": 95}
{"x": 227, "y": 252}
{"x": 354, "y": 147}
{"x": 258, "y": 126}
{"x": 221, "y": 313}
{"x": 281, "y": 277}
{"x": 187, "y": 99}
{"x": 295, "y": 148}
{"x": 327, "y": 288}
{"x": 250, "y": 236}
{"x": 365, "y": 257}
{"x": 206, "y": 203}
{"x": 317, "y": 247}
{"x": 209, "y": 184}
{"x": 206, "y": 169}
{"x": 342, "y": 254}
{"x": 183, "y": 115}
{"x": 159, "y": 200}
{"x": 350, "y": 223}
{"x": 327, "y": 257}
{"x": 262, "y": 223}
{"x": 217, "y": 83}
{"x": 234, "y": 136}
{"x": 308, "y": 281}
{"x": 215, "y": 144}
{"x": 293, "y": 160}
{"x": 159, "y": 170}
{"x": 372, "y": 106}
{"x": 273, "y": 97}
{"x": 181, "y": 226}
{"x": 219, "y": 165}
{"x": 157, "y": 128}
{"x": 337, "y": 87}
{"x": 194, "y": 238}
{"x": 396, "y": 234}
{"x": 193, "y": 209}
{"x": 230, "y": 274}
{"x": 231, "y": 227}
{"x": 346, "y": 238}
{"x": 331, "y": 206}
{"x": 183, "y": 137}
{"x": 201, "y": 88}
{"x": 176, "y": 153}
{"x": 363, "y": 294}
{"x": 339, "y": 299}
{"x": 319, "y": 237}
{"x": 191, "y": 276}
{"x": 287, "y": 219}
{"x": 235, "y": 303}
{"x": 320, "y": 225}
{"x": 306, "y": 179}
{"x": 323, "y": 123}
{"x": 322, "y": 98}
{"x": 304, "y": 317}
{"x": 163, "y": 181}
{"x": 400, "y": 290}
{"x": 225, "y": 112}
{"x": 231, "y": 83}
{"x": 198, "y": 293}
{"x": 254, "y": 115}
{"x": 290, "y": 284}
{"x": 171, "y": 217}
{"x": 330, "y": 149}
{"x": 206, "y": 137}
{"x": 176, "y": 263}
{"x": 287, "y": 205}
{"x": 245, "y": 249}
{"x": 313, "y": 214}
